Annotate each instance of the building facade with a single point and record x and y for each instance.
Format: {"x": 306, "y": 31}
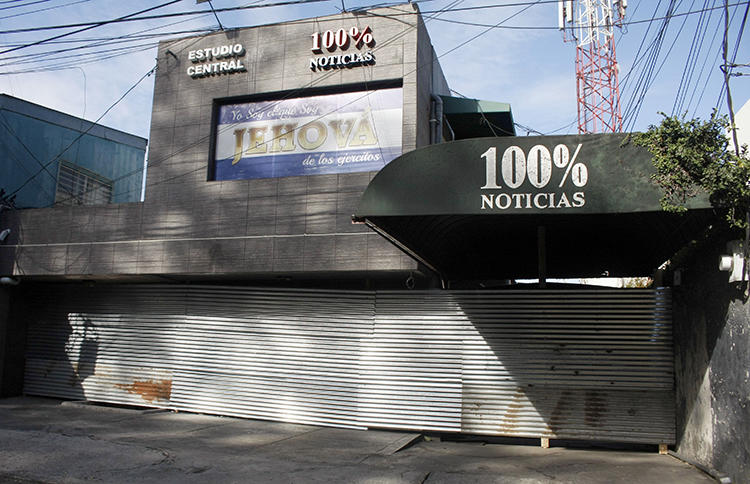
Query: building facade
{"x": 200, "y": 218}
{"x": 54, "y": 158}
{"x": 240, "y": 286}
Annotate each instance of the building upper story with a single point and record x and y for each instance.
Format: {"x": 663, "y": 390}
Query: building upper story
{"x": 262, "y": 142}
{"x": 51, "y": 158}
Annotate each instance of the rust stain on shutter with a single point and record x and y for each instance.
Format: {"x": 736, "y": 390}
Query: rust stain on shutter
{"x": 149, "y": 390}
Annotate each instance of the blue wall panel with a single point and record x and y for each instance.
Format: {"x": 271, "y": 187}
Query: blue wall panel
{"x": 28, "y": 143}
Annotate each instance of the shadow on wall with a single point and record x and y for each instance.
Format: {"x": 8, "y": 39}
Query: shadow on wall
{"x": 90, "y": 343}
{"x": 82, "y": 349}
{"x": 712, "y": 351}
{"x": 62, "y": 347}
{"x": 574, "y": 364}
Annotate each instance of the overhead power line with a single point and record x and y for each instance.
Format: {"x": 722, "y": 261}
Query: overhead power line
{"x": 43, "y": 9}
{"x": 392, "y": 15}
{"x": 24, "y": 4}
{"x": 88, "y": 27}
{"x": 153, "y": 17}
{"x": 290, "y": 94}
{"x": 75, "y": 140}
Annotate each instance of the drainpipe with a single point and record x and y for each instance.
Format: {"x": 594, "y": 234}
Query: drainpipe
{"x": 436, "y": 121}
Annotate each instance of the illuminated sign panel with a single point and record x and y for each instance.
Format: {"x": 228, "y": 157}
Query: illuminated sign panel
{"x": 337, "y": 133}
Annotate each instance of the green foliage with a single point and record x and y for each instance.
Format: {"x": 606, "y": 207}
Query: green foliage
{"x": 691, "y": 156}
{"x": 637, "y": 282}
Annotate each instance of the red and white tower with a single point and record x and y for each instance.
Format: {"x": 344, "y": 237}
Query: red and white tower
{"x": 591, "y": 23}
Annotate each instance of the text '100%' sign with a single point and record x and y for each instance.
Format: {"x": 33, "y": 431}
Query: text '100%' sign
{"x": 536, "y": 166}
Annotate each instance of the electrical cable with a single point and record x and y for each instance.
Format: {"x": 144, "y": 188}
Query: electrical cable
{"x": 739, "y": 37}
{"x": 155, "y": 17}
{"x": 449, "y": 8}
{"x": 6, "y": 123}
{"x": 703, "y": 69}
{"x": 203, "y": 139}
{"x": 569, "y": 125}
{"x": 10, "y": 130}
{"x": 692, "y": 56}
{"x": 25, "y": 4}
{"x": 295, "y": 2}
{"x": 472, "y": 39}
{"x": 43, "y": 9}
{"x": 221, "y": 27}
{"x": 647, "y": 75}
{"x": 289, "y": 95}
{"x": 87, "y": 28}
{"x": 633, "y": 22}
{"x": 87, "y": 130}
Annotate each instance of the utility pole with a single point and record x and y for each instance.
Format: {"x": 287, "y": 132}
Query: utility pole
{"x": 590, "y": 24}
{"x": 727, "y": 74}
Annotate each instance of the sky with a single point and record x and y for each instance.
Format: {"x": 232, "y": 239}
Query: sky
{"x": 665, "y": 66}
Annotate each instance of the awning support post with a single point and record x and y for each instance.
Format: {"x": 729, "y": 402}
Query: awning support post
{"x": 541, "y": 240}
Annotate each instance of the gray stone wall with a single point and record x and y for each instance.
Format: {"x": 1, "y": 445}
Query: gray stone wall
{"x": 712, "y": 352}
{"x": 189, "y": 225}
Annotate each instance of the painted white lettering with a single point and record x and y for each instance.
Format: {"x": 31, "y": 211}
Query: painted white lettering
{"x": 505, "y": 204}
{"x": 539, "y": 166}
{"x": 564, "y": 202}
{"x": 514, "y": 167}
{"x": 490, "y": 160}
{"x": 538, "y": 204}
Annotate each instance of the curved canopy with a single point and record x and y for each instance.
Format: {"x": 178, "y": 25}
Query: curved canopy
{"x": 516, "y": 207}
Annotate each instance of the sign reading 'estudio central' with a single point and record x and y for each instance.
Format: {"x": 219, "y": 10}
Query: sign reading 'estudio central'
{"x": 223, "y": 59}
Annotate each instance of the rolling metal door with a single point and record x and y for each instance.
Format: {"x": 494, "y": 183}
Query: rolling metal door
{"x": 594, "y": 364}
{"x": 281, "y": 355}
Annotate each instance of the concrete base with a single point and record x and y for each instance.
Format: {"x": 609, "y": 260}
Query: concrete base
{"x": 42, "y": 440}
{"x": 712, "y": 348}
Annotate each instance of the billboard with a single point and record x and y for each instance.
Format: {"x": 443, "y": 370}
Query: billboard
{"x": 335, "y": 133}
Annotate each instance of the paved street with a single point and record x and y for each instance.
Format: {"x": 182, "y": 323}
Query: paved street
{"x": 49, "y": 441}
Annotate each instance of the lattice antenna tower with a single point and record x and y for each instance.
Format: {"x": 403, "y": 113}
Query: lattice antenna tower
{"x": 590, "y": 24}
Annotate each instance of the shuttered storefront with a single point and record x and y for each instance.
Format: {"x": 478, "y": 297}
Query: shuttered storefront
{"x": 589, "y": 364}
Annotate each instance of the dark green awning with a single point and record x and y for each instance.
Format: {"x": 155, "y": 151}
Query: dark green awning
{"x": 472, "y": 209}
{"x": 472, "y": 118}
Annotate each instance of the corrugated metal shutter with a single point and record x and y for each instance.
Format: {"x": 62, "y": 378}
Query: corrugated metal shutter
{"x": 593, "y": 364}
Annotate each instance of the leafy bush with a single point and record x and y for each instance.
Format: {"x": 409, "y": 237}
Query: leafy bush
{"x": 691, "y": 156}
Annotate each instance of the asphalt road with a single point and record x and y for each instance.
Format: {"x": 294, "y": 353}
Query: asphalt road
{"x": 50, "y": 441}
